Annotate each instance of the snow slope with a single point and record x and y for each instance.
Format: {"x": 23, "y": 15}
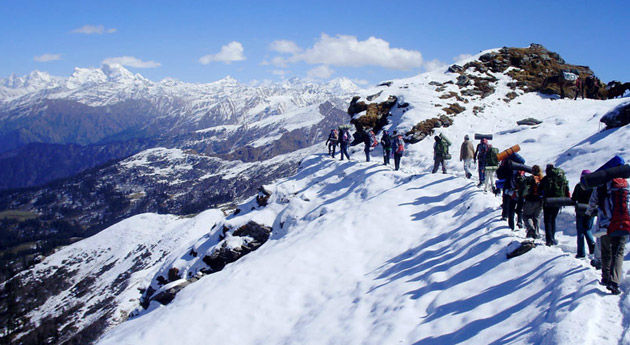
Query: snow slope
{"x": 361, "y": 254}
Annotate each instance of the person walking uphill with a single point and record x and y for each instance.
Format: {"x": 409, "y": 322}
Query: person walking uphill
{"x": 611, "y": 203}
{"x": 386, "y": 143}
{"x": 467, "y": 154}
{"x": 533, "y": 202}
{"x": 399, "y": 149}
{"x": 440, "y": 153}
{"x": 583, "y": 222}
{"x": 553, "y": 185}
{"x": 344, "y": 140}
{"x": 480, "y": 157}
{"x": 331, "y": 142}
{"x": 369, "y": 140}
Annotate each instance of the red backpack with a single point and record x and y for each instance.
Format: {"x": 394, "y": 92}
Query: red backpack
{"x": 620, "y": 201}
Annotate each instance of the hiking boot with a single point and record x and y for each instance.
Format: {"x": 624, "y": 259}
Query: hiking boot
{"x": 578, "y": 256}
{"x": 604, "y": 282}
{"x": 597, "y": 264}
{"x": 480, "y": 184}
{"x": 591, "y": 247}
{"x": 614, "y": 288}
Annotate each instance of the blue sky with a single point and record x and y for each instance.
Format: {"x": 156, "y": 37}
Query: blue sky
{"x": 368, "y": 41}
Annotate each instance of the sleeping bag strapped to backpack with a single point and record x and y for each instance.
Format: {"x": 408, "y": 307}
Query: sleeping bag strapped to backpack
{"x": 556, "y": 184}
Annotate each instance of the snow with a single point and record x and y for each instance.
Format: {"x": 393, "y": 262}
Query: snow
{"x": 362, "y": 254}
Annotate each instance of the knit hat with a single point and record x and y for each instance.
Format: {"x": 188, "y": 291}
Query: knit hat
{"x": 585, "y": 172}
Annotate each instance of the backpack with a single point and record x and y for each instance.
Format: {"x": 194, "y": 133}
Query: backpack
{"x": 386, "y": 141}
{"x": 441, "y": 148}
{"x": 399, "y": 144}
{"x": 344, "y": 136}
{"x": 373, "y": 139}
{"x": 491, "y": 156}
{"x": 619, "y": 197}
{"x": 556, "y": 184}
{"x": 334, "y": 135}
{"x": 531, "y": 189}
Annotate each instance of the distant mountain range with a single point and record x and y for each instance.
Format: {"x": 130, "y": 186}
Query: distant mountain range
{"x": 97, "y": 115}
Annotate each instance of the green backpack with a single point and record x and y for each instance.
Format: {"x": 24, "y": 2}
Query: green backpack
{"x": 442, "y": 148}
{"x": 491, "y": 157}
{"x": 556, "y": 184}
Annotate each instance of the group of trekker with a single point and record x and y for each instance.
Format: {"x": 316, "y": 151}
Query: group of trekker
{"x": 526, "y": 196}
{"x": 393, "y": 145}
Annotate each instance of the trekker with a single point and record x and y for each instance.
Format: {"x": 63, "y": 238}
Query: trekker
{"x": 333, "y": 139}
{"x": 553, "y": 185}
{"x": 344, "y": 140}
{"x": 491, "y": 162}
{"x": 579, "y": 88}
{"x": 399, "y": 149}
{"x": 583, "y": 222}
{"x": 509, "y": 187}
{"x": 520, "y": 186}
{"x": 533, "y": 202}
{"x": 480, "y": 158}
{"x": 466, "y": 155}
{"x": 386, "y": 143}
{"x": 368, "y": 141}
{"x": 612, "y": 202}
{"x": 440, "y": 153}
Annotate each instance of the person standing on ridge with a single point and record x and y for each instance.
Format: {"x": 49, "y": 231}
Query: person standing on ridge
{"x": 440, "y": 153}
{"x": 611, "y": 203}
{"x": 467, "y": 154}
{"x": 386, "y": 143}
{"x": 480, "y": 158}
{"x": 399, "y": 149}
{"x": 533, "y": 202}
{"x": 344, "y": 140}
{"x": 331, "y": 142}
{"x": 579, "y": 88}
{"x": 553, "y": 185}
{"x": 583, "y": 222}
{"x": 367, "y": 141}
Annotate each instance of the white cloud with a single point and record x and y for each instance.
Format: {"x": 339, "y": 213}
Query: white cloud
{"x": 344, "y": 50}
{"x": 279, "y": 72}
{"x": 285, "y": 47}
{"x": 47, "y": 57}
{"x": 320, "y": 72}
{"x": 434, "y": 65}
{"x": 130, "y": 61}
{"x": 360, "y": 81}
{"x": 229, "y": 53}
{"x": 461, "y": 57}
{"x": 93, "y": 30}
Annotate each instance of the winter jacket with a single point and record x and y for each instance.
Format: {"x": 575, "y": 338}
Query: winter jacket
{"x": 532, "y": 188}
{"x": 481, "y": 151}
{"x": 601, "y": 203}
{"x": 386, "y": 142}
{"x": 467, "y": 150}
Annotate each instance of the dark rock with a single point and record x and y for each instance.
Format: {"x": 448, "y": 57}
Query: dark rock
{"x": 173, "y": 274}
{"x": 463, "y": 80}
{"x": 530, "y": 121}
{"x": 254, "y": 230}
{"x": 455, "y": 68}
{"x": 618, "y": 117}
{"x": 386, "y": 83}
{"x": 166, "y": 296}
{"x": 374, "y": 96}
{"x": 263, "y": 196}
{"x": 435, "y": 83}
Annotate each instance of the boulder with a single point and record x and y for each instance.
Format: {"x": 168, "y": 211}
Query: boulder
{"x": 618, "y": 117}
{"x": 462, "y": 80}
{"x": 455, "y": 68}
{"x": 530, "y": 121}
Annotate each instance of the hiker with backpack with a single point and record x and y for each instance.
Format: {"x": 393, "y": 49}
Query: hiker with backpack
{"x": 332, "y": 141}
{"x": 344, "y": 141}
{"x": 440, "y": 153}
{"x": 553, "y": 185}
{"x": 466, "y": 155}
{"x": 533, "y": 202}
{"x": 583, "y": 222}
{"x": 510, "y": 188}
{"x": 386, "y": 143}
{"x": 611, "y": 203}
{"x": 369, "y": 140}
{"x": 399, "y": 149}
{"x": 488, "y": 163}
